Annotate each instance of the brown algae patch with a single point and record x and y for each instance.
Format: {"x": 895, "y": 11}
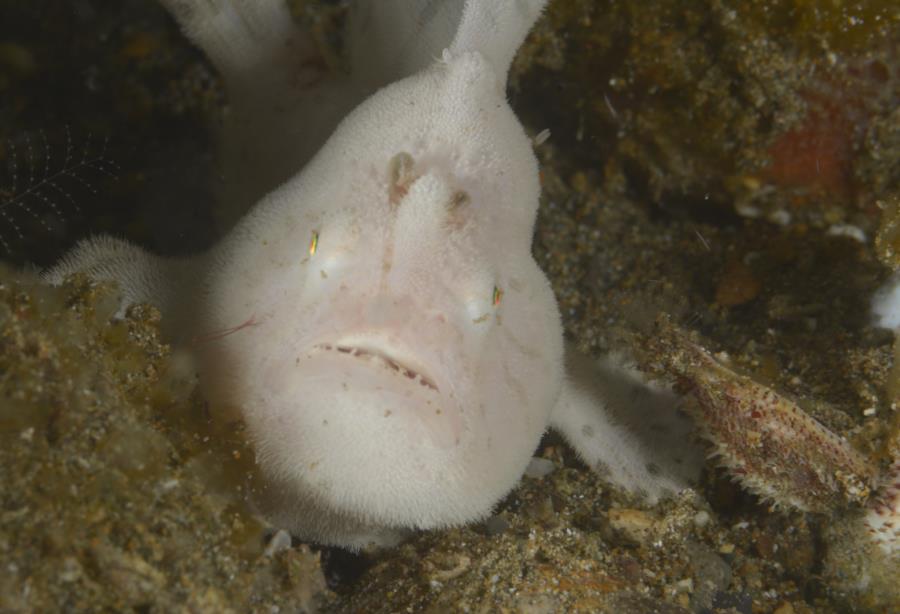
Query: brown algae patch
{"x": 104, "y": 505}
{"x": 776, "y": 109}
{"x": 564, "y": 542}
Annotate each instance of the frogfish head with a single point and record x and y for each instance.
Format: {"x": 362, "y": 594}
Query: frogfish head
{"x": 402, "y": 350}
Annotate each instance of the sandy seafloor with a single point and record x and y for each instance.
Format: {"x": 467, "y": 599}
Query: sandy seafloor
{"x": 721, "y": 162}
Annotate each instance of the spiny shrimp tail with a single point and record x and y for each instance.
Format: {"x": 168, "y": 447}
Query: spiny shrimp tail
{"x": 764, "y": 440}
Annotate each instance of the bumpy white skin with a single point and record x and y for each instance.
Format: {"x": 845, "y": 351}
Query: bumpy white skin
{"x": 409, "y": 282}
{"x": 384, "y": 385}
{"x": 625, "y": 428}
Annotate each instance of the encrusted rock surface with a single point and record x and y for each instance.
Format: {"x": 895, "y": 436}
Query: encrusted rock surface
{"x": 719, "y": 161}
{"x": 105, "y": 503}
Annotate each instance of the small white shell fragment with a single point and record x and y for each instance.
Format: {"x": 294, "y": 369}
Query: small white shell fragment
{"x": 781, "y": 217}
{"x": 541, "y": 137}
{"x": 847, "y": 230}
{"x": 886, "y": 304}
{"x": 280, "y": 541}
{"x": 539, "y": 467}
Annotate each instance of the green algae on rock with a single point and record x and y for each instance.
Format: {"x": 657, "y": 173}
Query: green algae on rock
{"x": 103, "y": 505}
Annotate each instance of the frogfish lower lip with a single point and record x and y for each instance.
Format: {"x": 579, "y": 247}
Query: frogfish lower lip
{"x": 378, "y": 357}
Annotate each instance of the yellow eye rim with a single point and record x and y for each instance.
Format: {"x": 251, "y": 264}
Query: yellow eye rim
{"x": 314, "y": 243}
{"x": 497, "y": 297}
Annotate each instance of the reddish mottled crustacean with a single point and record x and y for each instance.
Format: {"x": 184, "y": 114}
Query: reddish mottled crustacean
{"x": 764, "y": 440}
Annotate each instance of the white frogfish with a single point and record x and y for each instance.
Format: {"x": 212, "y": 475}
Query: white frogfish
{"x": 377, "y": 319}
